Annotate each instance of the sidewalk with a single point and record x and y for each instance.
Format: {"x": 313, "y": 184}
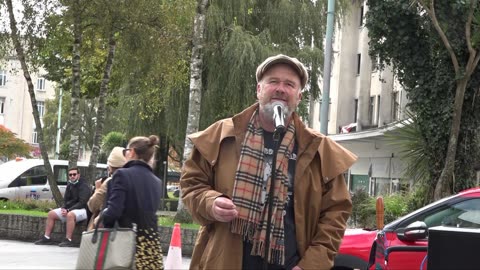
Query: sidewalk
{"x": 26, "y": 255}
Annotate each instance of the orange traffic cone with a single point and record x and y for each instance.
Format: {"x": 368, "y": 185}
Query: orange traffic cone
{"x": 174, "y": 256}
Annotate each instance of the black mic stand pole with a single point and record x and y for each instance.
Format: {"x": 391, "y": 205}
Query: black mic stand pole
{"x": 276, "y": 139}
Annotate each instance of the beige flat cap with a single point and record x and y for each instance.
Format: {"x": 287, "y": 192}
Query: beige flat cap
{"x": 283, "y": 59}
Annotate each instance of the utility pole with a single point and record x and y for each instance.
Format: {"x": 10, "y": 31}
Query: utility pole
{"x": 327, "y": 67}
{"x": 59, "y": 121}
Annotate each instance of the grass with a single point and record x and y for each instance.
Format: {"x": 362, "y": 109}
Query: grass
{"x": 28, "y": 207}
{"x": 22, "y": 212}
{"x": 169, "y": 222}
{"x": 170, "y": 195}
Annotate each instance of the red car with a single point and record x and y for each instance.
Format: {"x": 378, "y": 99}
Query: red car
{"x": 377, "y": 249}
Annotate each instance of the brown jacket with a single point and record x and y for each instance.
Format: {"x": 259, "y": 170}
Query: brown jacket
{"x": 96, "y": 202}
{"x": 322, "y": 202}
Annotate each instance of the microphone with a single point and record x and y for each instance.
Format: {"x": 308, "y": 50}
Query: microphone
{"x": 279, "y": 117}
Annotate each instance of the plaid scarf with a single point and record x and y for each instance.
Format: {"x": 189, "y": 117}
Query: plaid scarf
{"x": 251, "y": 221}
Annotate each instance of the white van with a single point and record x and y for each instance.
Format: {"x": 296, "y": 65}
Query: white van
{"x": 27, "y": 178}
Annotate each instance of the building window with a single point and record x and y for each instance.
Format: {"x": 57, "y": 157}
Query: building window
{"x": 361, "y": 16}
{"x": 359, "y": 61}
{"x": 41, "y": 84}
{"x": 3, "y": 77}
{"x": 41, "y": 108}
{"x": 371, "y": 109}
{"x": 395, "y": 106}
{"x": 378, "y": 109}
{"x": 41, "y": 111}
{"x": 375, "y": 65}
{"x": 355, "y": 111}
{"x": 2, "y": 105}
{"x": 34, "y": 136}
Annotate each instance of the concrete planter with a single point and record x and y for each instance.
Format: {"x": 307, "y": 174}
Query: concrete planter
{"x": 28, "y": 228}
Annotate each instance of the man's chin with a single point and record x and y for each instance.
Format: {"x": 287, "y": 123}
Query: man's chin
{"x": 267, "y": 109}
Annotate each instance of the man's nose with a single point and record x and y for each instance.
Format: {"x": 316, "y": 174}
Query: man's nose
{"x": 281, "y": 88}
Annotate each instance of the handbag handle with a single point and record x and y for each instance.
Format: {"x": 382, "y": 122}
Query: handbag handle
{"x": 95, "y": 233}
{"x": 114, "y": 232}
{"x": 100, "y": 220}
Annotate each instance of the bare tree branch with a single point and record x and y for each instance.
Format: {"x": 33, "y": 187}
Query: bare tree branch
{"x": 431, "y": 12}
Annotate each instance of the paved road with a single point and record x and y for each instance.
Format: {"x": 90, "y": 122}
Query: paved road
{"x": 26, "y": 255}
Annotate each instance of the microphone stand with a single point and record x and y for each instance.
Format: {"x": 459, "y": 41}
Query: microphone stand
{"x": 276, "y": 139}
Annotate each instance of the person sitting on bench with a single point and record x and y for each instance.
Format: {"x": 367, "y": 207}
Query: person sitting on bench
{"x": 73, "y": 209}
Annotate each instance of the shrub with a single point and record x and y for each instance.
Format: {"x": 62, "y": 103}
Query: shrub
{"x": 395, "y": 205}
{"x": 418, "y": 198}
{"x": 170, "y": 204}
{"x": 29, "y": 204}
{"x": 363, "y": 212}
{"x": 364, "y": 208}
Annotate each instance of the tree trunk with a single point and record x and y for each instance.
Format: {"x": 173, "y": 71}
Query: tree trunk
{"x": 444, "y": 185}
{"x": 196, "y": 66}
{"x": 38, "y": 124}
{"x": 101, "y": 108}
{"x": 75, "y": 120}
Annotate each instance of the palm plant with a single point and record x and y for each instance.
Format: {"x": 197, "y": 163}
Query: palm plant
{"x": 414, "y": 150}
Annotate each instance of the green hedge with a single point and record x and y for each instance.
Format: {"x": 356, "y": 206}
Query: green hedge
{"x": 169, "y": 205}
{"x": 364, "y": 208}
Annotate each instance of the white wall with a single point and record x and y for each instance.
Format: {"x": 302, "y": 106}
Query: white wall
{"x": 18, "y": 115}
{"x": 351, "y": 39}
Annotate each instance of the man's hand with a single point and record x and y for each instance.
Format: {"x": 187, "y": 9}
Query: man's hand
{"x": 64, "y": 212}
{"x": 223, "y": 209}
{"x": 297, "y": 268}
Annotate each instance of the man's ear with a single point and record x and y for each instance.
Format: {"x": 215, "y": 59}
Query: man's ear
{"x": 299, "y": 97}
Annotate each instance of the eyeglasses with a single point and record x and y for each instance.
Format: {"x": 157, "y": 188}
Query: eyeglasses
{"x": 72, "y": 174}
{"x": 124, "y": 151}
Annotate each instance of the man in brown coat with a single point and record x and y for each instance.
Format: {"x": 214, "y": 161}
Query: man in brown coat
{"x": 226, "y": 183}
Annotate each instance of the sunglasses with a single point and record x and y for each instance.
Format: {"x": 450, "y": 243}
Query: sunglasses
{"x": 72, "y": 174}
{"x": 124, "y": 151}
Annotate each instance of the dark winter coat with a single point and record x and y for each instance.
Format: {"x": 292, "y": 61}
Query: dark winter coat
{"x": 76, "y": 195}
{"x": 134, "y": 195}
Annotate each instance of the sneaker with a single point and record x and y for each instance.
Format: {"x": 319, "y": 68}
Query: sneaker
{"x": 66, "y": 243}
{"x": 44, "y": 241}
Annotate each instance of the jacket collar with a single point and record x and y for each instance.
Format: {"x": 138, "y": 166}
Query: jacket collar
{"x": 208, "y": 140}
{"x": 334, "y": 158}
{"x": 141, "y": 163}
{"x": 306, "y": 139}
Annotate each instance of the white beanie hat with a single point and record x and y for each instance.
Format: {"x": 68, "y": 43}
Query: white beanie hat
{"x": 116, "y": 158}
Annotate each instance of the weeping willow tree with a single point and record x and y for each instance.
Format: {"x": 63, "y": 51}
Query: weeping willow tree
{"x": 240, "y": 34}
{"x": 152, "y": 81}
{"x": 148, "y": 87}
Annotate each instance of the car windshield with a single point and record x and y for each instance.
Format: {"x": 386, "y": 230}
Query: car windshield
{"x": 465, "y": 214}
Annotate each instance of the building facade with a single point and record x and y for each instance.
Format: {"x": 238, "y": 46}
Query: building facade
{"x": 365, "y": 102}
{"x": 15, "y": 103}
